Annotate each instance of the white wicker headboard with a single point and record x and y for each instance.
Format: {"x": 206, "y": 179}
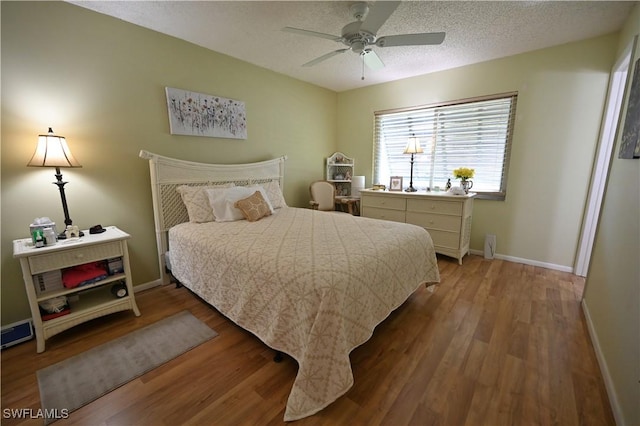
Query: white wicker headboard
{"x": 169, "y": 173}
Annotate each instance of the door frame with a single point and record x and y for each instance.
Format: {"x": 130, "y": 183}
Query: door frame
{"x": 611, "y": 120}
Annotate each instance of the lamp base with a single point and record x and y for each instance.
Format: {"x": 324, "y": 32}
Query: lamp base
{"x": 63, "y": 235}
{"x": 411, "y": 189}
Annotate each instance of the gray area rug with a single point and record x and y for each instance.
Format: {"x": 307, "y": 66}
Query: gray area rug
{"x": 78, "y": 380}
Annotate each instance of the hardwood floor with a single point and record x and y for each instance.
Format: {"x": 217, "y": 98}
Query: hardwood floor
{"x": 497, "y": 343}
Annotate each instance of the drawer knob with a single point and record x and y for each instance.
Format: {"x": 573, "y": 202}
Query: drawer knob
{"x": 80, "y": 255}
{"x": 433, "y": 206}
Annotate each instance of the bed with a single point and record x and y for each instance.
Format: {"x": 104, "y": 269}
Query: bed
{"x": 311, "y": 284}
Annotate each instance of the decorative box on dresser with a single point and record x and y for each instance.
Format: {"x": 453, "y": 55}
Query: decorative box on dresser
{"x": 447, "y": 217}
{"x": 86, "y": 302}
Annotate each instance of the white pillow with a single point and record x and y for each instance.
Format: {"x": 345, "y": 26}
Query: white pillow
{"x": 197, "y": 203}
{"x": 222, "y": 201}
{"x": 274, "y": 193}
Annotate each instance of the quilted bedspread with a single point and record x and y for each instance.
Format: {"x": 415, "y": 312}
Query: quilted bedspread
{"x": 310, "y": 284}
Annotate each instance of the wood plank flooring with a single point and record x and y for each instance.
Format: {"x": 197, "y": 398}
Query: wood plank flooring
{"x": 498, "y": 343}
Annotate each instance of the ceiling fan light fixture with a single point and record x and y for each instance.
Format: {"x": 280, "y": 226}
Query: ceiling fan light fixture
{"x": 358, "y": 46}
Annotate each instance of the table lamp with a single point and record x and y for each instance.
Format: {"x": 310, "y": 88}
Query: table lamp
{"x": 413, "y": 147}
{"x": 52, "y": 151}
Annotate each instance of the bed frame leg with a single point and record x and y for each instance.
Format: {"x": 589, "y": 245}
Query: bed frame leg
{"x": 278, "y": 357}
{"x": 173, "y": 279}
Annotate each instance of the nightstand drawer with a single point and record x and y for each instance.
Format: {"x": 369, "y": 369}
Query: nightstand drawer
{"x": 435, "y": 206}
{"x": 434, "y": 221}
{"x": 384, "y": 202}
{"x": 64, "y": 259}
{"x": 385, "y": 214}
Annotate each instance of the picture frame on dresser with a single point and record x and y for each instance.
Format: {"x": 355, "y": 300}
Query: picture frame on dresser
{"x": 395, "y": 183}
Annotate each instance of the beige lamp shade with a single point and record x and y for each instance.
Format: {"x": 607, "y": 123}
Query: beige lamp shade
{"x": 52, "y": 151}
{"x": 413, "y": 146}
{"x": 357, "y": 183}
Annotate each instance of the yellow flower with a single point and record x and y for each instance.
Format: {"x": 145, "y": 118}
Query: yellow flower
{"x": 464, "y": 173}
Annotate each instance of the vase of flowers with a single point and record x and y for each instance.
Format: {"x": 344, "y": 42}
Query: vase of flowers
{"x": 465, "y": 174}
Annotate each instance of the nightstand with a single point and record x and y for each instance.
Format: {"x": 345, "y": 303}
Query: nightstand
{"x": 42, "y": 270}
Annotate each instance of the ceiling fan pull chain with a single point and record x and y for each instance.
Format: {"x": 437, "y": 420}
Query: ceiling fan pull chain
{"x": 362, "y": 56}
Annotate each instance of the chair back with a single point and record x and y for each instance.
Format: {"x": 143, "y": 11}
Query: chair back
{"x": 323, "y": 195}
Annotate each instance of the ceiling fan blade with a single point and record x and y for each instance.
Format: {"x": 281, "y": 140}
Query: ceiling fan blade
{"x": 311, "y": 33}
{"x": 324, "y": 57}
{"x": 411, "y": 39}
{"x": 372, "y": 60}
{"x": 378, "y": 15}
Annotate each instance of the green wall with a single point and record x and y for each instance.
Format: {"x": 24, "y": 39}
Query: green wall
{"x": 560, "y": 104}
{"x": 100, "y": 82}
{"x": 612, "y": 291}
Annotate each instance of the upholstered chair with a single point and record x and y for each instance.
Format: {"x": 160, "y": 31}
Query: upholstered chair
{"x": 323, "y": 195}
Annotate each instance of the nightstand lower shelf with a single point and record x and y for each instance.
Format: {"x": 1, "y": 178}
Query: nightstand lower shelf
{"x": 92, "y": 304}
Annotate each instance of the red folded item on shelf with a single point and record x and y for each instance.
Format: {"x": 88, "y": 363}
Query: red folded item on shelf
{"x": 53, "y": 315}
{"x": 83, "y": 274}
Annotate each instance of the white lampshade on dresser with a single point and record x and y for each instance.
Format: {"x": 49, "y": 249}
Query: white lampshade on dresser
{"x": 357, "y": 183}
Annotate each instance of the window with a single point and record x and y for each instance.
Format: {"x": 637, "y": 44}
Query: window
{"x": 474, "y": 133}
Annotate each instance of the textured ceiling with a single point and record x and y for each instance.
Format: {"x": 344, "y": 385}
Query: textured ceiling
{"x": 476, "y": 31}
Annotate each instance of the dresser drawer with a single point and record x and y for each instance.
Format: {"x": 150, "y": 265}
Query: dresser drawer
{"x": 450, "y": 240}
{"x": 64, "y": 259}
{"x": 434, "y": 221}
{"x": 435, "y": 206}
{"x": 384, "y": 214}
{"x": 384, "y": 202}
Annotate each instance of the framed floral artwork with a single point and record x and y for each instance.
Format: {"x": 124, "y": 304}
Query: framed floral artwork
{"x": 630, "y": 113}
{"x": 630, "y": 144}
{"x": 197, "y": 114}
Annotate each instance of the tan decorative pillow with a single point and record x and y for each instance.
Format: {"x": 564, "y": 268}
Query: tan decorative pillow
{"x": 196, "y": 201}
{"x": 253, "y": 207}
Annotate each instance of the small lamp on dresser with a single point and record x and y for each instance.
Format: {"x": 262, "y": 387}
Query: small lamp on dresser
{"x": 52, "y": 151}
{"x": 413, "y": 147}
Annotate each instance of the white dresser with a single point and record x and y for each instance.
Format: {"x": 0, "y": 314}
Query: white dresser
{"x": 446, "y": 217}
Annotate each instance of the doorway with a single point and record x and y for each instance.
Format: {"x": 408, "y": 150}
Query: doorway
{"x": 617, "y": 84}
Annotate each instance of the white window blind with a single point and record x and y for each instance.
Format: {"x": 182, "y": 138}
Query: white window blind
{"x": 474, "y": 133}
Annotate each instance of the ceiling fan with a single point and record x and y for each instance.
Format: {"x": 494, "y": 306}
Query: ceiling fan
{"x": 361, "y": 34}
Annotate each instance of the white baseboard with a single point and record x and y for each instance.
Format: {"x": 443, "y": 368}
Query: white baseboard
{"x": 527, "y": 261}
{"x": 147, "y": 286}
{"x": 604, "y": 370}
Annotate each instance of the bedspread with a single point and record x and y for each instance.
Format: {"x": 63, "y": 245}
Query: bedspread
{"x": 311, "y": 284}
